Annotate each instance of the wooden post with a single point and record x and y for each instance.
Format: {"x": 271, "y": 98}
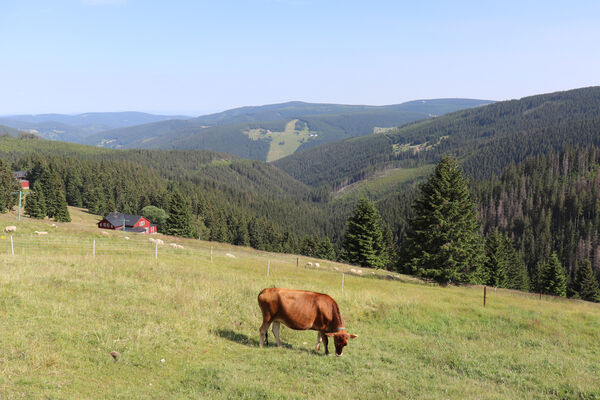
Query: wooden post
{"x": 211, "y": 248}
{"x": 297, "y": 262}
{"x": 268, "y": 267}
{"x": 156, "y": 250}
{"x": 12, "y": 247}
{"x": 343, "y": 281}
{"x": 94, "y": 248}
{"x": 484, "y": 294}
{"x": 540, "y": 294}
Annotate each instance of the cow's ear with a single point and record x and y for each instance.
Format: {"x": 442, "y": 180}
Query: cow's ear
{"x": 331, "y": 334}
{"x": 353, "y": 336}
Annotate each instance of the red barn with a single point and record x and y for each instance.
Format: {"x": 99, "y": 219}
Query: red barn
{"x": 133, "y": 223}
{"x": 21, "y": 176}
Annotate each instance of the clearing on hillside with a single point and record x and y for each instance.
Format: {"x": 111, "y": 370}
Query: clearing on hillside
{"x": 283, "y": 143}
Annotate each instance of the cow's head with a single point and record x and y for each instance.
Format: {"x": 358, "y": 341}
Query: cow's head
{"x": 340, "y": 339}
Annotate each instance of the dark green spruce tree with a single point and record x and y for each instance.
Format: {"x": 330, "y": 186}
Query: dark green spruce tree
{"x": 59, "y": 201}
{"x": 516, "y": 271}
{"x": 586, "y": 284}
{"x": 363, "y": 241}
{"x": 495, "y": 265}
{"x": 35, "y": 203}
{"x": 443, "y": 241}
{"x": 8, "y": 185}
{"x": 179, "y": 221}
{"x": 552, "y": 280}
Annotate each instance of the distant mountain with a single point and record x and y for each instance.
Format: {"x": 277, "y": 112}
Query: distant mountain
{"x": 486, "y": 139}
{"x": 73, "y": 128}
{"x": 274, "y": 131}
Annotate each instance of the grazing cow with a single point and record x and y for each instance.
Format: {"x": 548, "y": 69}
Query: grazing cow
{"x": 302, "y": 310}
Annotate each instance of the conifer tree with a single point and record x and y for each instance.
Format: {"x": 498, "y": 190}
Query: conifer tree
{"x": 363, "y": 241}
{"x": 586, "y": 284}
{"x": 516, "y": 271}
{"x": 495, "y": 265}
{"x": 35, "y": 203}
{"x": 60, "y": 212}
{"x": 179, "y": 220}
{"x": 325, "y": 249}
{"x": 553, "y": 279}
{"x": 443, "y": 240}
{"x": 8, "y": 185}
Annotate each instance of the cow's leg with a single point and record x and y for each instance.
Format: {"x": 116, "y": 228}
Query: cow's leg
{"x": 264, "y": 336}
{"x": 326, "y": 344}
{"x": 276, "y": 325}
{"x": 319, "y": 340}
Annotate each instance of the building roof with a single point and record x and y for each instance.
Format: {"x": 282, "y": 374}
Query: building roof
{"x": 116, "y": 219}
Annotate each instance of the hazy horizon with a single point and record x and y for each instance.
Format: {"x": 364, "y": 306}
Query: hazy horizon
{"x": 188, "y": 58}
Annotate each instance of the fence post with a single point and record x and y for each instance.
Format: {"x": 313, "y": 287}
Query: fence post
{"x": 94, "y": 248}
{"x": 484, "y": 294}
{"x": 12, "y": 247}
{"x": 343, "y": 281}
{"x": 268, "y": 267}
{"x": 297, "y": 262}
{"x": 211, "y": 248}
{"x": 156, "y": 250}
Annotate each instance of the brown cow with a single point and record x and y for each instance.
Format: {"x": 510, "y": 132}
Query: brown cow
{"x": 302, "y": 310}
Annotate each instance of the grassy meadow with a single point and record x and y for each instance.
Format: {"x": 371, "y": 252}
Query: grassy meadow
{"x": 282, "y": 143}
{"x": 187, "y": 327}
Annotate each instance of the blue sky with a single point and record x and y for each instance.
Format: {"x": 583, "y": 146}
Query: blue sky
{"x": 194, "y": 57}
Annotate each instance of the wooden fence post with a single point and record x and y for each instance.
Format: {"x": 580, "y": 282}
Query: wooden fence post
{"x": 156, "y": 250}
{"x": 484, "y": 294}
{"x": 343, "y": 281}
{"x": 268, "y": 267}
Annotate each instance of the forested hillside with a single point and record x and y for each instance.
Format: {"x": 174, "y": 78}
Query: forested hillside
{"x": 232, "y": 200}
{"x": 230, "y": 131}
{"x": 486, "y": 138}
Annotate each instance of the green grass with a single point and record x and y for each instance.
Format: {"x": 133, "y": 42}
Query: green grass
{"x": 63, "y": 311}
{"x": 282, "y": 143}
{"x": 382, "y": 183}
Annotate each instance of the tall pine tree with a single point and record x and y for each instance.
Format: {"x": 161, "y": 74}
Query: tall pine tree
{"x": 8, "y": 185}
{"x": 586, "y": 284}
{"x": 443, "y": 240}
{"x": 553, "y": 279}
{"x": 35, "y": 203}
{"x": 363, "y": 241}
{"x": 179, "y": 221}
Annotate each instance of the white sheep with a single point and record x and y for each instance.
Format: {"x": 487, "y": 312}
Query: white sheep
{"x": 230, "y": 255}
{"x": 105, "y": 233}
{"x": 173, "y": 245}
{"x": 317, "y": 265}
{"x": 159, "y": 241}
{"x": 126, "y": 238}
{"x": 152, "y": 240}
{"x": 352, "y": 270}
{"x": 359, "y": 271}
{"x": 10, "y": 228}
{"x": 54, "y": 226}
{"x": 40, "y": 233}
{"x": 309, "y": 264}
{"x": 179, "y": 246}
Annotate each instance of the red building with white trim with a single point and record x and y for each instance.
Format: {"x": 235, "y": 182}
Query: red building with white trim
{"x": 132, "y": 223}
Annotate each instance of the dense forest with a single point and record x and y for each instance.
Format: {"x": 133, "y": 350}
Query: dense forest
{"x": 486, "y": 139}
{"x": 534, "y": 177}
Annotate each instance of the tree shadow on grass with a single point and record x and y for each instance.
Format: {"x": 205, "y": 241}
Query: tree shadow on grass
{"x": 252, "y": 342}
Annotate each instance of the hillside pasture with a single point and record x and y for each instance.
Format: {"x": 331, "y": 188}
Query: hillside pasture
{"x": 282, "y": 143}
{"x": 187, "y": 327}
